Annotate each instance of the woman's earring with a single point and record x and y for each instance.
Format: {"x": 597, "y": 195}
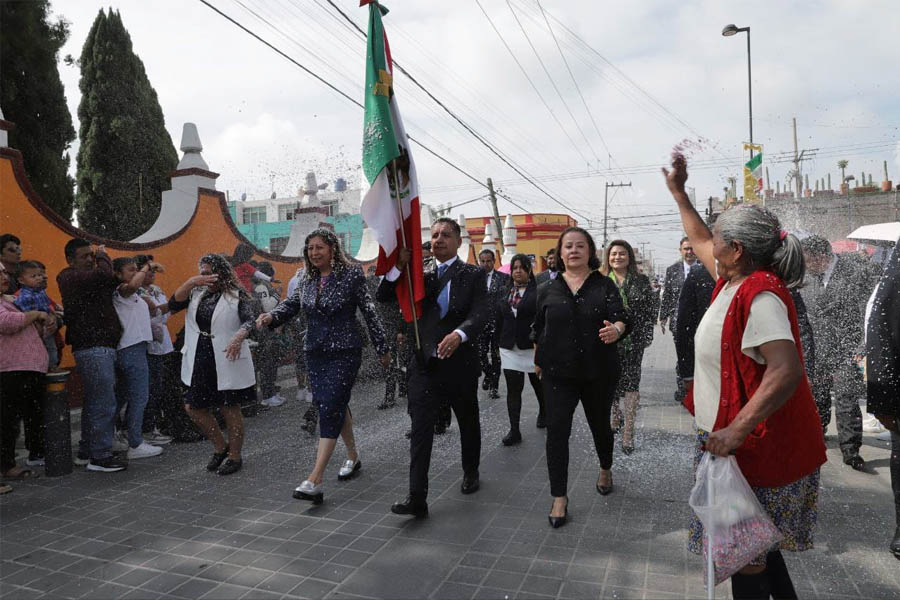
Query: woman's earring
{"x": 332, "y": 262}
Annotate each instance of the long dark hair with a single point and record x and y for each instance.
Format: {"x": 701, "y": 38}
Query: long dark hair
{"x": 228, "y": 280}
{"x": 593, "y": 261}
{"x": 338, "y": 258}
{"x": 525, "y": 261}
{"x": 242, "y": 253}
{"x": 632, "y": 262}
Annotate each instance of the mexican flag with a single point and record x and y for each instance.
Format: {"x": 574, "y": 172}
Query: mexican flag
{"x": 384, "y": 140}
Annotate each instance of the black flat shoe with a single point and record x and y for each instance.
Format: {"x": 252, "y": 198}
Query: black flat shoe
{"x": 895, "y": 545}
{"x": 216, "y": 461}
{"x": 605, "y": 490}
{"x": 512, "y": 438}
{"x": 411, "y": 506}
{"x": 229, "y": 467}
{"x": 557, "y": 522}
{"x": 470, "y": 484}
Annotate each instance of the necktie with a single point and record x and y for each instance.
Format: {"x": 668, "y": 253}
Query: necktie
{"x": 443, "y": 298}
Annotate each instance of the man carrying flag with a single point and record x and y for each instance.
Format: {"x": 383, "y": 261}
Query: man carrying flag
{"x": 447, "y": 307}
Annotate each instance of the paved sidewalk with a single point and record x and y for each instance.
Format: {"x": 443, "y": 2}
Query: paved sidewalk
{"x": 168, "y": 529}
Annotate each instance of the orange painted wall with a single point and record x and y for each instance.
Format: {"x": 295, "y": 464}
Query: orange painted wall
{"x": 44, "y": 235}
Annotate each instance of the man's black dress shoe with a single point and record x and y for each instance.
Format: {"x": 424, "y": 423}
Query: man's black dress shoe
{"x": 856, "y": 462}
{"x": 895, "y": 545}
{"x": 512, "y": 438}
{"x": 470, "y": 483}
{"x": 541, "y": 422}
{"x": 411, "y": 506}
{"x": 486, "y": 384}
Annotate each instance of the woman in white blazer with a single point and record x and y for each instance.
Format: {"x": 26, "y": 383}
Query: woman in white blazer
{"x": 216, "y": 364}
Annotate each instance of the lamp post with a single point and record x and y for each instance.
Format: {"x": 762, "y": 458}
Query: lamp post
{"x": 728, "y": 31}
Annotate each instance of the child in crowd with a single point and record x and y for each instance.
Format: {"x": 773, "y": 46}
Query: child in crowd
{"x": 164, "y": 398}
{"x": 267, "y": 355}
{"x": 132, "y": 370}
{"x": 31, "y": 295}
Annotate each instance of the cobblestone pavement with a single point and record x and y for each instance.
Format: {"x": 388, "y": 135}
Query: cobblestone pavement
{"x": 167, "y": 528}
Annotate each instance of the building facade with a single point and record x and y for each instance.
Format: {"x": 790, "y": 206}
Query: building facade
{"x": 535, "y": 233}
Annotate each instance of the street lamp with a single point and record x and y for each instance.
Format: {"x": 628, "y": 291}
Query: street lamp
{"x": 728, "y": 31}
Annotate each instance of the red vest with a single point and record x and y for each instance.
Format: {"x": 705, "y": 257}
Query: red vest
{"x": 788, "y": 445}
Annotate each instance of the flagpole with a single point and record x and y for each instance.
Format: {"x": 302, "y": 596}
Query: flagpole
{"x": 409, "y": 281}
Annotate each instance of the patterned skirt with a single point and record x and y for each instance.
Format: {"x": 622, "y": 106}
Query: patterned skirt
{"x": 793, "y": 509}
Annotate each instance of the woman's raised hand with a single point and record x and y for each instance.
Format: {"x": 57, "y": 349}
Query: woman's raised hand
{"x": 676, "y": 178}
{"x": 263, "y": 320}
{"x": 201, "y": 280}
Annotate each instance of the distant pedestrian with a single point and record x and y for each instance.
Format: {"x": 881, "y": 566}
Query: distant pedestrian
{"x": 496, "y": 284}
{"x": 674, "y": 281}
{"x": 637, "y": 296}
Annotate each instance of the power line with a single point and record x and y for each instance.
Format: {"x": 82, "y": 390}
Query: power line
{"x": 533, "y": 86}
{"x": 465, "y": 125}
{"x": 552, "y": 82}
{"x": 574, "y": 81}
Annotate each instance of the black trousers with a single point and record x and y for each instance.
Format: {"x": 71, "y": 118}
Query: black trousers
{"x": 21, "y": 397}
{"x": 489, "y": 355}
{"x": 430, "y": 387}
{"x": 561, "y": 396}
{"x": 895, "y": 469}
{"x": 842, "y": 378}
{"x": 515, "y": 384}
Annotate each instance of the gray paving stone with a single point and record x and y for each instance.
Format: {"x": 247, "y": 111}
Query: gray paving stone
{"x": 281, "y": 583}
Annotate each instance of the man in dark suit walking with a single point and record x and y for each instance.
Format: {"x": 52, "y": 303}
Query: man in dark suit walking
{"x": 883, "y": 368}
{"x": 675, "y": 276}
{"x": 497, "y": 285}
{"x": 693, "y": 301}
{"x": 454, "y": 312}
{"x": 550, "y": 272}
{"x": 838, "y": 287}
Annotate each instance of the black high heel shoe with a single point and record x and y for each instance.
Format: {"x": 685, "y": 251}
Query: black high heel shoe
{"x": 605, "y": 490}
{"x": 557, "y": 522}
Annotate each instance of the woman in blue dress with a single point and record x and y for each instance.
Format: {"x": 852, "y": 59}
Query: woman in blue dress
{"x": 329, "y": 293}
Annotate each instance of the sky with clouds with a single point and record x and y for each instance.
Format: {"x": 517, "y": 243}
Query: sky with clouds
{"x": 627, "y": 81}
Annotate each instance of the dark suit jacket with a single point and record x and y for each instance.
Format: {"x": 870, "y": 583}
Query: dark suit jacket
{"x": 468, "y": 311}
{"x": 515, "y": 330}
{"x": 671, "y": 290}
{"x": 696, "y": 294}
{"x": 837, "y": 311}
{"x": 499, "y": 287}
{"x": 883, "y": 343}
{"x": 543, "y": 276}
{"x": 331, "y": 312}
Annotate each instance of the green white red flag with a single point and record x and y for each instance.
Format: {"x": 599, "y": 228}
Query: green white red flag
{"x": 384, "y": 140}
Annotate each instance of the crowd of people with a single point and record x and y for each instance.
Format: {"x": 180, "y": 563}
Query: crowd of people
{"x": 767, "y": 329}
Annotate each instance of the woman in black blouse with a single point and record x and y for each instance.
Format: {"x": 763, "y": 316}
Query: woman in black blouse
{"x": 217, "y": 365}
{"x": 579, "y": 319}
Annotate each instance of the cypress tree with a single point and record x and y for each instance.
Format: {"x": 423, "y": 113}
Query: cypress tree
{"x": 33, "y": 97}
{"x": 126, "y": 155}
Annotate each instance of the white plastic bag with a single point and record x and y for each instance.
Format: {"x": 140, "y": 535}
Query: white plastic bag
{"x": 736, "y": 526}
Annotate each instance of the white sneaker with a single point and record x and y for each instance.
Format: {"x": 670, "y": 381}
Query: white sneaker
{"x": 120, "y": 442}
{"x": 872, "y": 425}
{"x": 275, "y": 400}
{"x": 157, "y": 439}
{"x": 143, "y": 451}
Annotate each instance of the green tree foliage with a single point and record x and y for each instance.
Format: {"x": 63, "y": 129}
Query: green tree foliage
{"x": 126, "y": 155}
{"x": 32, "y": 96}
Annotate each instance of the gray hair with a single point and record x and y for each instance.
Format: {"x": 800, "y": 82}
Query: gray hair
{"x": 766, "y": 245}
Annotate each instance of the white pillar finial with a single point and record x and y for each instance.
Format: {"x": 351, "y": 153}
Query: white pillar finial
{"x": 191, "y": 146}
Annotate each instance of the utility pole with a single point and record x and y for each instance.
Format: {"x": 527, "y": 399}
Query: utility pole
{"x": 606, "y": 206}
{"x": 497, "y": 225}
{"x": 798, "y": 162}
